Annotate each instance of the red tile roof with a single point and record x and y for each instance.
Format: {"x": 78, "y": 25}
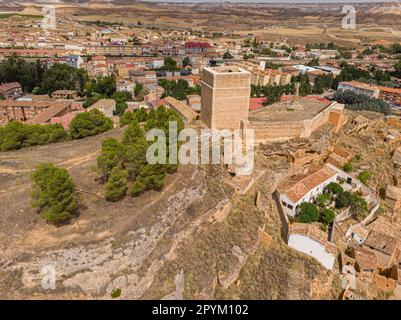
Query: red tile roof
{"x": 189, "y": 45}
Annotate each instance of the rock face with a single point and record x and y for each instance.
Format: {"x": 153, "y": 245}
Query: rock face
{"x": 397, "y": 156}
{"x": 239, "y": 257}
{"x": 179, "y": 288}
{"x": 97, "y": 269}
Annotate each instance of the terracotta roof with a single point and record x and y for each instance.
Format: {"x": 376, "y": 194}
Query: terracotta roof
{"x": 385, "y": 226}
{"x": 361, "y": 85}
{"x": 392, "y": 90}
{"x": 381, "y": 242}
{"x": 49, "y": 113}
{"x": 181, "y": 107}
{"x": 189, "y": 45}
{"x": 295, "y": 188}
{"x": 365, "y": 259}
{"x": 256, "y": 103}
{"x": 9, "y": 86}
{"x": 26, "y": 104}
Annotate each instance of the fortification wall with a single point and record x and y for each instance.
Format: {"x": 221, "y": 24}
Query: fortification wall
{"x": 284, "y": 130}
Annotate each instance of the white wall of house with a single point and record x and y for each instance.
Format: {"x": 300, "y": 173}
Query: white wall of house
{"x": 308, "y": 197}
{"x": 312, "y": 248}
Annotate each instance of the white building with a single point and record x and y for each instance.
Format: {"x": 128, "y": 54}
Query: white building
{"x": 125, "y": 86}
{"x": 107, "y": 106}
{"x": 304, "y": 69}
{"x": 310, "y": 240}
{"x": 304, "y": 188}
{"x": 360, "y": 88}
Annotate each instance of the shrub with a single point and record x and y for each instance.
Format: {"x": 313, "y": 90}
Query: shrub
{"x": 348, "y": 167}
{"x": 54, "y": 193}
{"x": 358, "y": 206}
{"x": 116, "y": 293}
{"x": 364, "y": 176}
{"x": 309, "y": 213}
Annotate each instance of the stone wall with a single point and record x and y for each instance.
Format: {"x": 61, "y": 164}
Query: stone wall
{"x": 284, "y": 130}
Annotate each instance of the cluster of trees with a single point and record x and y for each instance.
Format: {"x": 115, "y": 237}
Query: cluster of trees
{"x": 355, "y": 101}
{"x": 37, "y": 78}
{"x": 63, "y": 77}
{"x": 54, "y": 193}
{"x": 16, "y": 135}
{"x": 272, "y": 93}
{"x": 28, "y": 74}
{"x": 373, "y": 76}
{"x": 309, "y": 213}
{"x": 123, "y": 165}
{"x": 397, "y": 70}
{"x": 137, "y": 115}
{"x": 313, "y": 212}
{"x": 305, "y": 87}
{"x": 178, "y": 89}
{"x": 321, "y": 83}
{"x": 322, "y": 45}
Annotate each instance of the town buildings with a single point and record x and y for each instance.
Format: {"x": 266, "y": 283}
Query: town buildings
{"x": 10, "y": 90}
{"x": 390, "y": 95}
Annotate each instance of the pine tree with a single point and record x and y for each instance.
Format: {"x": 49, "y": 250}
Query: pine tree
{"x": 111, "y": 156}
{"x": 54, "y": 193}
{"x": 133, "y": 134}
{"x": 116, "y": 186}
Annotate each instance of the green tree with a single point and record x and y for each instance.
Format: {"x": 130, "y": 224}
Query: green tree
{"x": 308, "y": 214}
{"x": 343, "y": 200}
{"x": 89, "y": 123}
{"x": 304, "y": 88}
{"x": 334, "y": 188}
{"x": 62, "y": 76}
{"x": 116, "y": 187}
{"x": 15, "y": 135}
{"x": 111, "y": 156}
{"x": 358, "y": 206}
{"x": 227, "y": 55}
{"x": 323, "y": 199}
{"x": 169, "y": 64}
{"x": 327, "y": 216}
{"x": 54, "y": 193}
{"x": 186, "y": 62}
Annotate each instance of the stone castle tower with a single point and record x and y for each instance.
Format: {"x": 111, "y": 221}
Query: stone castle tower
{"x": 225, "y": 96}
